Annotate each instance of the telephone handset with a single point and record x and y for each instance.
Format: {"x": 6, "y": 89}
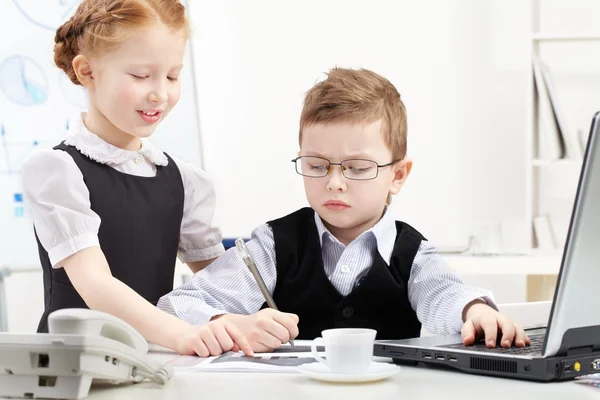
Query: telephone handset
{"x": 82, "y": 346}
{"x": 89, "y": 322}
{"x": 82, "y": 321}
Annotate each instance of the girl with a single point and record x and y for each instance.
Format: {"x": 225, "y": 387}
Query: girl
{"x": 110, "y": 210}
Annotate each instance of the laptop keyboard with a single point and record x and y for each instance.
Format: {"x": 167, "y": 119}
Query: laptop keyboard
{"x": 535, "y": 348}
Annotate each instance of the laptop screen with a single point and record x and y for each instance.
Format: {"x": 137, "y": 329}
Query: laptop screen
{"x": 575, "y": 316}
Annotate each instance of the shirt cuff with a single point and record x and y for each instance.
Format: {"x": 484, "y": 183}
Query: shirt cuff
{"x": 457, "y": 320}
{"x": 200, "y": 314}
{"x": 208, "y": 253}
{"x": 72, "y": 246}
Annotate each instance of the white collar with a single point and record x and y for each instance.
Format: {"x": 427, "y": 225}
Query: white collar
{"x": 92, "y": 146}
{"x": 384, "y": 232}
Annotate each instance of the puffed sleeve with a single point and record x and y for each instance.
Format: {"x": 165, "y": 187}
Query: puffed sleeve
{"x": 199, "y": 239}
{"x": 59, "y": 203}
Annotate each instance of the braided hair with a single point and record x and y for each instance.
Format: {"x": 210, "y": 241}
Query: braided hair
{"x": 102, "y": 25}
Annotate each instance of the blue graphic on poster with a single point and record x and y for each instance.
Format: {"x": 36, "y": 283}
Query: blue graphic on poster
{"x": 18, "y": 204}
{"x": 14, "y": 152}
{"x": 23, "y": 81}
{"x": 47, "y": 14}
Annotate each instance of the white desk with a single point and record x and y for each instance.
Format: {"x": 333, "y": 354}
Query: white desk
{"x": 541, "y": 269}
{"x": 531, "y": 264}
{"x": 411, "y": 383}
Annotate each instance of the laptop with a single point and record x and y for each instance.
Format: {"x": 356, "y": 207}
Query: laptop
{"x": 569, "y": 346}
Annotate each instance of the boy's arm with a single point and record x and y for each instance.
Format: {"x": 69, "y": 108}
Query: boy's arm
{"x": 226, "y": 285}
{"x": 443, "y": 303}
{"x": 438, "y": 294}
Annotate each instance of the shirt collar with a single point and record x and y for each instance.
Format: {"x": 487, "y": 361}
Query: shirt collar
{"x": 100, "y": 151}
{"x": 384, "y": 232}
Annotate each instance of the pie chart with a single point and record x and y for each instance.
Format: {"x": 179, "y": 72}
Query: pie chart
{"x": 22, "y": 81}
{"x": 48, "y": 14}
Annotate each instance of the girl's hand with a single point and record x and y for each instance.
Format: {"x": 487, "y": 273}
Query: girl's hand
{"x": 213, "y": 339}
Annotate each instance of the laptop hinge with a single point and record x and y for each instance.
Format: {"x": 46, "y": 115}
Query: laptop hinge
{"x": 582, "y": 340}
{"x": 580, "y": 350}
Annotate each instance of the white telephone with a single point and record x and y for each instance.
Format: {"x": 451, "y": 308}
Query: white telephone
{"x": 82, "y": 346}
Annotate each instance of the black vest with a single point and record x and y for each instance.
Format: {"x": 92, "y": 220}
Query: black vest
{"x": 380, "y": 302}
{"x": 139, "y": 231}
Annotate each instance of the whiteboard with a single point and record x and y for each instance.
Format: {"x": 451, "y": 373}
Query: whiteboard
{"x": 36, "y": 101}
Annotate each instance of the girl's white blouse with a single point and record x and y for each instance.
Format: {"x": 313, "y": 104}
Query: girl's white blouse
{"x": 59, "y": 202}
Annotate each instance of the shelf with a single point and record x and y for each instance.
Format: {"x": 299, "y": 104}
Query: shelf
{"x": 562, "y": 161}
{"x": 537, "y": 263}
{"x": 545, "y": 37}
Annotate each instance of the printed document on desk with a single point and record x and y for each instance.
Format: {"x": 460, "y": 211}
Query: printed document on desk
{"x": 284, "y": 359}
{"x": 592, "y": 380}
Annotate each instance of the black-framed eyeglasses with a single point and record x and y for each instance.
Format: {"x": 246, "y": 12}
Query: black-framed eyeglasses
{"x": 356, "y": 169}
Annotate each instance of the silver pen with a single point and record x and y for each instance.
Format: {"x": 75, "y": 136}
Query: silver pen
{"x": 249, "y": 260}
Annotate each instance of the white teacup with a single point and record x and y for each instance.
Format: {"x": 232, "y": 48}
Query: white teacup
{"x": 347, "y": 350}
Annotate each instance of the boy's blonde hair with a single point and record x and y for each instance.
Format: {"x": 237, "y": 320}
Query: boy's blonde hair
{"x": 358, "y": 96}
{"x": 102, "y": 25}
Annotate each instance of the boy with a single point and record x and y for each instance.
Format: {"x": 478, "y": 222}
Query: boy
{"x": 344, "y": 262}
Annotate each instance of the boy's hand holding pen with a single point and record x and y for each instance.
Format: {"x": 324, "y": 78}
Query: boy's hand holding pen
{"x": 266, "y": 329}
{"x": 269, "y": 328}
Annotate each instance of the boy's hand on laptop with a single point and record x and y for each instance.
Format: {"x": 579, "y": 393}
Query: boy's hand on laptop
{"x": 214, "y": 339}
{"x": 267, "y": 329}
{"x": 482, "y": 321}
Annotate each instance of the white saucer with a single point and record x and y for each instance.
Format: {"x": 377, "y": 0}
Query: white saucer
{"x": 377, "y": 371}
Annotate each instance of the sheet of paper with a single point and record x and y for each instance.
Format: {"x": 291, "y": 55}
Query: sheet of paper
{"x": 284, "y": 359}
{"x": 592, "y": 380}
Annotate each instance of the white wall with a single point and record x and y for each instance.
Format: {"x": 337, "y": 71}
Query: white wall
{"x": 460, "y": 67}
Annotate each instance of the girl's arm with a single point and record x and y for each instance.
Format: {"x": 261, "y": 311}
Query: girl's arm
{"x": 200, "y": 240}
{"x": 196, "y": 266}
{"x": 90, "y": 274}
{"x": 67, "y": 227}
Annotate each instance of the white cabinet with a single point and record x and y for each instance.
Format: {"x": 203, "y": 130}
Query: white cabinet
{"x": 24, "y": 300}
